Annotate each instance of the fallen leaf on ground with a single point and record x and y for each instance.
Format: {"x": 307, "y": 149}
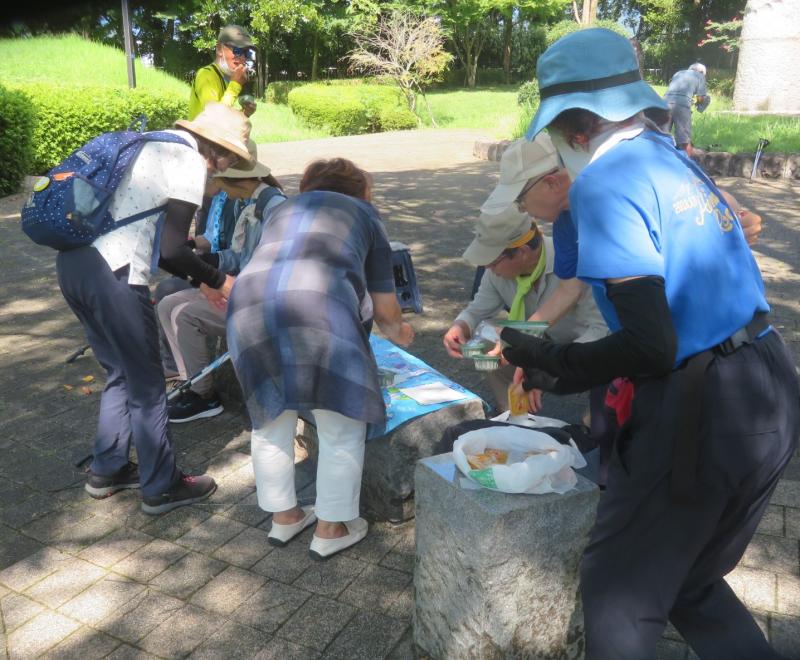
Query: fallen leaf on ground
{"x": 86, "y": 390}
{"x": 87, "y": 379}
{"x": 67, "y": 387}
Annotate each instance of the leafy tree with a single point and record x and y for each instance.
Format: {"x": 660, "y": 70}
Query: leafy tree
{"x": 519, "y": 10}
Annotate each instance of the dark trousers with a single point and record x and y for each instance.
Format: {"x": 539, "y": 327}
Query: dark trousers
{"x": 651, "y": 559}
{"x": 121, "y": 328}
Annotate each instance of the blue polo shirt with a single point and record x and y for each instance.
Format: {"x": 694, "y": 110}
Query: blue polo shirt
{"x": 640, "y": 210}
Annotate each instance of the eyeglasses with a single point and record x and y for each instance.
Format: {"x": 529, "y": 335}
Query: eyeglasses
{"x": 505, "y": 254}
{"x": 528, "y": 186}
{"x": 223, "y": 159}
{"x": 238, "y": 52}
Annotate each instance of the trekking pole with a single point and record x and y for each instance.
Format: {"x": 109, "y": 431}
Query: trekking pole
{"x": 763, "y": 143}
{"x": 186, "y": 385}
{"x": 74, "y": 356}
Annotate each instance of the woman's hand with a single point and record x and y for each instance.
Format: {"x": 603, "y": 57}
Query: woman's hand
{"x": 219, "y": 297}
{"x": 405, "y": 334}
{"x": 751, "y": 225}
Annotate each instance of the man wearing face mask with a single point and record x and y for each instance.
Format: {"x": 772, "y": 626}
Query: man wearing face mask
{"x": 224, "y": 78}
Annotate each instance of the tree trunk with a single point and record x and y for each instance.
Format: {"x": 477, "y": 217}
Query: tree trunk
{"x": 315, "y": 58}
{"x": 589, "y": 14}
{"x": 767, "y": 75}
{"x": 508, "y": 26}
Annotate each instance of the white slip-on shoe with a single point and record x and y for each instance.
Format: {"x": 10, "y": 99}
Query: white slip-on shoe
{"x": 279, "y": 535}
{"x": 322, "y": 549}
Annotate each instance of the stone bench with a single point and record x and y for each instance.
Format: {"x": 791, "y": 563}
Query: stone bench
{"x": 496, "y": 575}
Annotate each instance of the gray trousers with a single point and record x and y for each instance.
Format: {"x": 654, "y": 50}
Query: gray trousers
{"x": 187, "y": 319}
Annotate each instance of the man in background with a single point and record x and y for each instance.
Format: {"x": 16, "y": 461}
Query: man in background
{"x": 683, "y": 88}
{"x": 224, "y": 78}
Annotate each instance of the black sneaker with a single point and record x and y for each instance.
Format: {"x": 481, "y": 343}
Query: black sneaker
{"x": 190, "y": 406}
{"x": 99, "y": 486}
{"x": 187, "y": 490}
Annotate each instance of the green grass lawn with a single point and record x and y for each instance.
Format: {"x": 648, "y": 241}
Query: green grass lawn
{"x": 68, "y": 60}
{"x": 494, "y": 109}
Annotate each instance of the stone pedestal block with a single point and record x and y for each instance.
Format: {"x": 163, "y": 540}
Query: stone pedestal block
{"x": 387, "y": 485}
{"x": 496, "y": 575}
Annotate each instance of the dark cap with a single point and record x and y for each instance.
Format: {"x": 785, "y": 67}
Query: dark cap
{"x": 235, "y": 35}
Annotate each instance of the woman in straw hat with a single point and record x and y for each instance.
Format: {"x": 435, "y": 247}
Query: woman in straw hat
{"x": 106, "y": 286}
{"x": 714, "y": 417}
{"x": 188, "y": 317}
{"x": 298, "y": 345}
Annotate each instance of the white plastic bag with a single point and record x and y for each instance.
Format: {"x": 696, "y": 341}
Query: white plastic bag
{"x": 549, "y": 470}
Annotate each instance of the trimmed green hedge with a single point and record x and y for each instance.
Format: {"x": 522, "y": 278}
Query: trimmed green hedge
{"x": 278, "y": 91}
{"x": 350, "y": 109}
{"x": 16, "y": 139}
{"x": 66, "y": 118}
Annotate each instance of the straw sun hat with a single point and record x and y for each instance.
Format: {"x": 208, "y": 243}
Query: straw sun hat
{"x": 224, "y": 126}
{"x": 258, "y": 171}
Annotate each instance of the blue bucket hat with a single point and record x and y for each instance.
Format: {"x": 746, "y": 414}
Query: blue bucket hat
{"x": 594, "y": 69}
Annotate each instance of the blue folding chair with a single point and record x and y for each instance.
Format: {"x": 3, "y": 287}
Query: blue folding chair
{"x": 405, "y": 280}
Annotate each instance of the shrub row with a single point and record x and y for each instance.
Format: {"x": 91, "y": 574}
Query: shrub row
{"x": 352, "y": 108}
{"x": 16, "y": 139}
{"x": 65, "y": 118}
{"x": 278, "y": 91}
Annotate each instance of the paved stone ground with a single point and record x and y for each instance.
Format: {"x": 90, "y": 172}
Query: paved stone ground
{"x": 89, "y": 579}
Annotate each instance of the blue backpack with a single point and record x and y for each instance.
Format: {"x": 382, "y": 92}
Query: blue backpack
{"x": 69, "y": 206}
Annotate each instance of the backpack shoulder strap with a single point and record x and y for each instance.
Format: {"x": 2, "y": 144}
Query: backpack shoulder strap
{"x": 263, "y": 199}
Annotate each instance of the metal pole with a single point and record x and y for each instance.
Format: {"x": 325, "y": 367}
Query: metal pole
{"x": 129, "y": 54}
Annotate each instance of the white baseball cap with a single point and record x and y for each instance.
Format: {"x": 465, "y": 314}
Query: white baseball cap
{"x": 522, "y": 161}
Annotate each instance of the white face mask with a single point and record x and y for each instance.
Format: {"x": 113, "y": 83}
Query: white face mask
{"x": 223, "y": 66}
{"x": 578, "y": 157}
{"x": 575, "y": 158}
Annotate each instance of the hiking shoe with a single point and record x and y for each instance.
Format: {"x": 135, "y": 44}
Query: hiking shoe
{"x": 99, "y": 486}
{"x": 190, "y": 406}
{"x": 187, "y": 490}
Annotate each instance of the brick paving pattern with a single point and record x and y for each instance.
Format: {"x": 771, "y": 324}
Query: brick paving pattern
{"x": 88, "y": 579}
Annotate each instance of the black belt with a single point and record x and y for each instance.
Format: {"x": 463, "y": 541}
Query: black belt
{"x": 689, "y": 404}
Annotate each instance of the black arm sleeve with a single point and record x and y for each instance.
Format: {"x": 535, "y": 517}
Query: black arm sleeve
{"x": 646, "y": 344}
{"x": 175, "y": 255}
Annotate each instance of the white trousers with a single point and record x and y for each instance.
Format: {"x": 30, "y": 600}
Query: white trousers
{"x": 339, "y": 465}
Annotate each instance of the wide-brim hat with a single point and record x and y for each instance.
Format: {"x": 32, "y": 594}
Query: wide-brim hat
{"x": 495, "y": 233}
{"x": 224, "y": 126}
{"x": 257, "y": 171}
{"x": 522, "y": 161}
{"x": 594, "y": 69}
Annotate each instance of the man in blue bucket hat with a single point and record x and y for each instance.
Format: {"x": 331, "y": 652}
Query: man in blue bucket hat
{"x": 714, "y": 417}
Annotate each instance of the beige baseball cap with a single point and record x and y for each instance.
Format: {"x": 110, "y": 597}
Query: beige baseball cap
{"x": 495, "y": 233}
{"x": 254, "y": 172}
{"x": 235, "y": 35}
{"x": 224, "y": 126}
{"x": 522, "y": 161}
